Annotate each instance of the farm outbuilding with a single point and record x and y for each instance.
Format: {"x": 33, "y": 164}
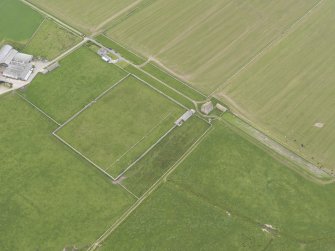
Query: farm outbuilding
{"x": 184, "y": 117}
{"x": 221, "y": 107}
{"x": 17, "y": 65}
{"x": 207, "y": 107}
{"x": 22, "y": 58}
{"x": 18, "y": 72}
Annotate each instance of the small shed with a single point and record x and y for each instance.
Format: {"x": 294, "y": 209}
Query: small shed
{"x": 221, "y": 107}
{"x": 184, "y": 117}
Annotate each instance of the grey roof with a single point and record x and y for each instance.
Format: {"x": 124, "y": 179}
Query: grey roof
{"x": 9, "y": 57}
{"x": 18, "y": 71}
{"x": 22, "y": 58}
{"x": 53, "y": 66}
{"x": 187, "y": 115}
{"x": 184, "y": 117}
{"x": 207, "y": 107}
{"x": 4, "y": 51}
{"x": 102, "y": 51}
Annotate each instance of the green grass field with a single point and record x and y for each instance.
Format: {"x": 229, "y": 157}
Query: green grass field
{"x": 291, "y": 88}
{"x": 81, "y": 77}
{"x": 204, "y": 186}
{"x": 206, "y": 42}
{"x": 244, "y": 179}
{"x": 122, "y": 125}
{"x": 49, "y": 198}
{"x": 14, "y": 30}
{"x": 51, "y": 40}
{"x": 172, "y": 219}
{"x": 230, "y": 174}
{"x": 150, "y": 168}
{"x": 84, "y": 15}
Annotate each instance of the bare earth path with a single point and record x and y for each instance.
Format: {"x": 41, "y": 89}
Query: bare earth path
{"x": 116, "y": 15}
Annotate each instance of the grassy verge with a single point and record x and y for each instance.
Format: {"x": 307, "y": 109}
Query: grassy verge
{"x": 173, "y": 82}
{"x": 302, "y": 166}
{"x": 121, "y": 50}
{"x": 155, "y": 83}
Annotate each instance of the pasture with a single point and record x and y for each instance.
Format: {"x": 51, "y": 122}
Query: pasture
{"x": 173, "y": 219}
{"x": 118, "y": 128}
{"x": 49, "y": 198}
{"x": 289, "y": 92}
{"x": 206, "y": 42}
{"x": 241, "y": 177}
{"x": 85, "y": 15}
{"x": 166, "y": 154}
{"x": 16, "y": 30}
{"x": 50, "y": 40}
{"x": 161, "y": 86}
{"x": 81, "y": 77}
{"x": 222, "y": 195}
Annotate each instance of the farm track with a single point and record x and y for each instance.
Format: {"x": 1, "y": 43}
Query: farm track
{"x": 152, "y": 189}
{"x": 97, "y": 30}
{"x": 274, "y": 144}
{"x": 259, "y": 136}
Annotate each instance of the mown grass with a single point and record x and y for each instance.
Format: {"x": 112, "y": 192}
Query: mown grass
{"x": 150, "y": 168}
{"x": 172, "y": 219}
{"x": 49, "y": 197}
{"x": 18, "y": 22}
{"x": 51, "y": 40}
{"x": 81, "y": 77}
{"x": 125, "y": 53}
{"x": 86, "y": 15}
{"x": 122, "y": 125}
{"x": 291, "y": 88}
{"x": 158, "y": 85}
{"x": 206, "y": 42}
{"x": 173, "y": 82}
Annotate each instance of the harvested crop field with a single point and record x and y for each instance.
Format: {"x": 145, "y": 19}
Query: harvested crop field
{"x": 289, "y": 92}
{"x": 85, "y": 15}
{"x": 206, "y": 42}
